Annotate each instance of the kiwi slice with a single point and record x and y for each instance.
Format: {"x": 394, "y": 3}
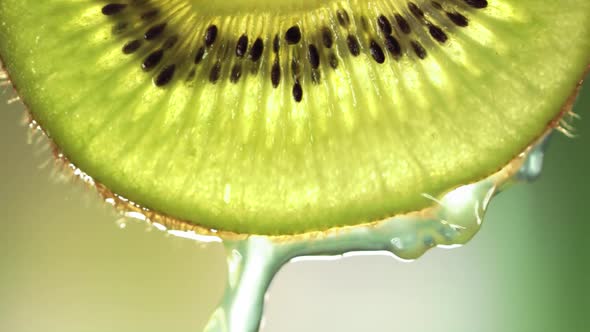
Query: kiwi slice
{"x": 292, "y": 116}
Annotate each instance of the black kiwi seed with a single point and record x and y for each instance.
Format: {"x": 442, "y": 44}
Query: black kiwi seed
{"x": 210, "y": 35}
{"x": 327, "y": 38}
{"x": 353, "y": 45}
{"x": 293, "y": 35}
{"x": 132, "y": 46}
{"x": 215, "y": 72}
{"x": 276, "y": 44}
{"x": 403, "y": 24}
{"x": 297, "y": 92}
{"x": 242, "y": 46}
{"x": 333, "y": 60}
{"x": 377, "y": 52}
{"x": 155, "y": 31}
{"x": 200, "y": 54}
{"x": 191, "y": 75}
{"x": 437, "y": 33}
{"x": 149, "y": 15}
{"x": 416, "y": 10}
{"x": 343, "y": 18}
{"x": 165, "y": 76}
{"x": 275, "y": 73}
{"x": 152, "y": 60}
{"x": 479, "y": 4}
{"x": 113, "y": 8}
{"x": 419, "y": 49}
{"x": 314, "y": 56}
{"x": 458, "y": 19}
{"x": 393, "y": 46}
{"x": 384, "y": 25}
{"x": 236, "y": 73}
{"x": 256, "y": 50}
{"x": 436, "y": 5}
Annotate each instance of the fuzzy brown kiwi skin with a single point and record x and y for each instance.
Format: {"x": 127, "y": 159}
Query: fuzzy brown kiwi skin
{"x": 123, "y": 205}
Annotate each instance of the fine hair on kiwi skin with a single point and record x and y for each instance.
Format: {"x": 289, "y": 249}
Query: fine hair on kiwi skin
{"x": 291, "y": 58}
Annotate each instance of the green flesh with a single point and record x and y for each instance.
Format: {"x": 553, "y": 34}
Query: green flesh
{"x": 364, "y": 143}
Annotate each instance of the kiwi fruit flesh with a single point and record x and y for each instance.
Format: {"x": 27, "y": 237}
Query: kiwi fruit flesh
{"x": 286, "y": 117}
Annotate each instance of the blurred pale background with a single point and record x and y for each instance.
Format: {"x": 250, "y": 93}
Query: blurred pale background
{"x": 65, "y": 266}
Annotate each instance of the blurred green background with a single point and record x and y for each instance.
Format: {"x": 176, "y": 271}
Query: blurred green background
{"x": 66, "y": 266}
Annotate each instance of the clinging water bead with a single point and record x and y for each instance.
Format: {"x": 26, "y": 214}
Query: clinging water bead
{"x": 292, "y": 116}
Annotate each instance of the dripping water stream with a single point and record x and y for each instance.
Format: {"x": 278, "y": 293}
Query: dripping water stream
{"x": 455, "y": 219}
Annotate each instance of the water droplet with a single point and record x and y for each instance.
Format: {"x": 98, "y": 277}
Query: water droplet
{"x": 533, "y": 165}
{"x": 227, "y": 193}
{"x": 159, "y": 226}
{"x": 121, "y": 223}
{"x": 135, "y": 215}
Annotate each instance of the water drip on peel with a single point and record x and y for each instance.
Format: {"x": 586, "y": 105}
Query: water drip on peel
{"x": 454, "y": 220}
{"x": 121, "y": 223}
{"x": 533, "y": 165}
